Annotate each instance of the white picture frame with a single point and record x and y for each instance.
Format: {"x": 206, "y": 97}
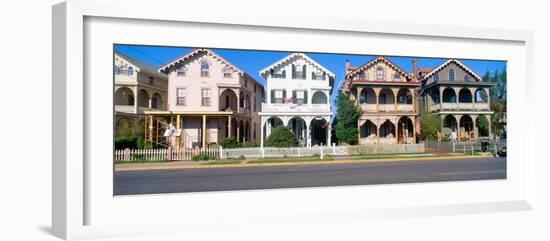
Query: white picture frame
{"x": 78, "y": 195}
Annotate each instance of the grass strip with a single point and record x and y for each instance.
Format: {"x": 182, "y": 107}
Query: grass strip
{"x": 221, "y": 163}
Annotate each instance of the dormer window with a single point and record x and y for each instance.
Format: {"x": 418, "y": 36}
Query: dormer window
{"x": 451, "y": 74}
{"x": 205, "y": 68}
{"x": 181, "y": 71}
{"x": 379, "y": 74}
{"x": 130, "y": 71}
{"x": 227, "y": 73}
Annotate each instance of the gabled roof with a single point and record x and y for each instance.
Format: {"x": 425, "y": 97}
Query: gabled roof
{"x": 289, "y": 58}
{"x": 460, "y": 64}
{"x": 196, "y": 52}
{"x": 143, "y": 67}
{"x": 165, "y": 68}
{"x": 376, "y": 60}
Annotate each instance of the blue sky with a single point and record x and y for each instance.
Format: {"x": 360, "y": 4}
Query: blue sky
{"x": 252, "y": 61}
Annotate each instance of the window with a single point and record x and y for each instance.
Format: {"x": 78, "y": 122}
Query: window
{"x": 205, "y": 68}
{"x": 379, "y": 74}
{"x": 180, "y": 95}
{"x": 320, "y": 75}
{"x": 181, "y": 71}
{"x": 227, "y": 73}
{"x": 466, "y": 77}
{"x": 396, "y": 77}
{"x": 130, "y": 71}
{"x": 436, "y": 77}
{"x": 277, "y": 96}
{"x": 451, "y": 74}
{"x": 151, "y": 81}
{"x": 205, "y": 97}
{"x": 117, "y": 69}
{"x": 279, "y": 74}
{"x": 299, "y": 71}
{"x": 300, "y": 96}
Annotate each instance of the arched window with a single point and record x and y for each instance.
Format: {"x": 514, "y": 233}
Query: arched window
{"x": 396, "y": 77}
{"x": 130, "y": 71}
{"x": 436, "y": 77}
{"x": 451, "y": 74}
{"x": 205, "y": 68}
{"x": 181, "y": 71}
{"x": 466, "y": 77}
{"x": 227, "y": 73}
{"x": 379, "y": 74}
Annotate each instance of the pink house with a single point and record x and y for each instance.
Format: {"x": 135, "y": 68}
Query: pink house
{"x": 209, "y": 99}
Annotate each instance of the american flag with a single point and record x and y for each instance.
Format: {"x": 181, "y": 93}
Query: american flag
{"x": 290, "y": 100}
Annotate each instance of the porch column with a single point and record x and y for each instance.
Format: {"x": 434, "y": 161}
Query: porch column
{"x": 396, "y": 125}
{"x": 136, "y": 103}
{"x": 489, "y": 126}
{"x": 238, "y": 130}
{"x": 358, "y": 132}
{"x": 151, "y": 128}
{"x": 458, "y": 131}
{"x": 377, "y": 131}
{"x": 413, "y": 118}
{"x": 476, "y": 130}
{"x": 228, "y": 126}
{"x": 473, "y": 93}
{"x": 150, "y": 103}
{"x": 440, "y": 99}
{"x": 203, "y": 131}
{"x": 395, "y": 99}
{"x": 178, "y": 127}
{"x": 359, "y": 90}
{"x": 457, "y": 94}
{"x": 329, "y": 134}
{"x": 377, "y": 93}
{"x": 262, "y": 132}
{"x": 238, "y": 104}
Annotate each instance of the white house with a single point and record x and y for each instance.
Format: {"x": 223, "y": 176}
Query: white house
{"x": 298, "y": 92}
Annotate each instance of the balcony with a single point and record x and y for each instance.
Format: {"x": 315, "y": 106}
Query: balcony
{"x": 387, "y": 107}
{"x": 125, "y": 109}
{"x": 460, "y": 106}
{"x": 271, "y": 107}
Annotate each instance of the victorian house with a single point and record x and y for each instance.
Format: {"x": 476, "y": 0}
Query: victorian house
{"x": 457, "y": 94}
{"x": 387, "y": 97}
{"x": 138, "y": 87}
{"x": 298, "y": 94}
{"x": 209, "y": 99}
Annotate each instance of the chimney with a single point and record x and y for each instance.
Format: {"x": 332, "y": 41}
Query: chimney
{"x": 347, "y": 66}
{"x": 415, "y": 70}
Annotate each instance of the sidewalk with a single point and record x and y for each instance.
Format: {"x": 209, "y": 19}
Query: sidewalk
{"x": 246, "y": 163}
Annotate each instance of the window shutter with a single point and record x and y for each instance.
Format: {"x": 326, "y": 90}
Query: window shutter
{"x": 284, "y": 95}
{"x": 272, "y": 96}
{"x": 284, "y": 74}
{"x": 305, "y": 96}
{"x": 293, "y": 71}
{"x": 304, "y": 71}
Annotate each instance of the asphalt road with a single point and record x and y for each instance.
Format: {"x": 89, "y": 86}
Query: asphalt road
{"x": 267, "y": 177}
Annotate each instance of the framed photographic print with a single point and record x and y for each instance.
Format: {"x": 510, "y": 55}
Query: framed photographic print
{"x": 162, "y": 121}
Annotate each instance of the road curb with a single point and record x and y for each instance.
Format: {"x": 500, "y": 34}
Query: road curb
{"x": 195, "y": 166}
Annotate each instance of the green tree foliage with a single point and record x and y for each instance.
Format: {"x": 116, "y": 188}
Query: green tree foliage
{"x": 347, "y": 114}
{"x": 281, "y": 137}
{"x": 129, "y": 133}
{"x": 430, "y": 124}
{"x": 230, "y": 142}
{"x": 483, "y": 125}
{"x": 498, "y": 101}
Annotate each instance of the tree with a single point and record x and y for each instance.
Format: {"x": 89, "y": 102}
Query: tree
{"x": 230, "y": 142}
{"x": 430, "y": 124}
{"x": 347, "y": 114}
{"x": 281, "y": 137}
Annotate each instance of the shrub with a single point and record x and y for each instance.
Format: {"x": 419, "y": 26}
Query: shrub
{"x": 281, "y": 137}
{"x": 123, "y": 142}
{"x": 430, "y": 124}
{"x": 248, "y": 144}
{"x": 202, "y": 157}
{"x": 230, "y": 142}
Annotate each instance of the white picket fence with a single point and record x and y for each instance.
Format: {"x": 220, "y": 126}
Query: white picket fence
{"x": 257, "y": 152}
